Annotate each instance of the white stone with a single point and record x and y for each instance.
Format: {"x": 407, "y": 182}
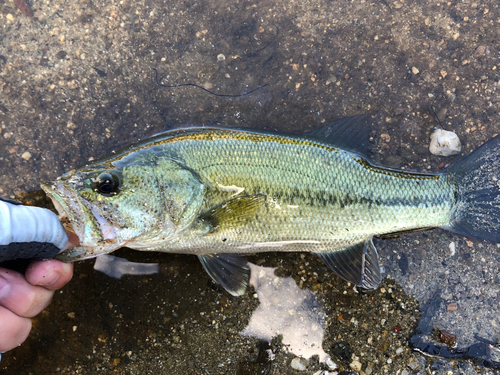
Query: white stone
{"x": 444, "y": 143}
{"x": 356, "y": 365}
{"x": 26, "y": 156}
{"x": 331, "y": 365}
{"x": 298, "y": 364}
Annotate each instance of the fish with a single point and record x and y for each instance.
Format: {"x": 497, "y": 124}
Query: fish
{"x": 221, "y": 193}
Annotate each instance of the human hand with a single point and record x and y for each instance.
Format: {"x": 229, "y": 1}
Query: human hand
{"x": 27, "y": 233}
{"x": 24, "y": 296}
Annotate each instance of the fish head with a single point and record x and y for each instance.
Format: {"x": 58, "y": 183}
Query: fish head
{"x": 141, "y": 205}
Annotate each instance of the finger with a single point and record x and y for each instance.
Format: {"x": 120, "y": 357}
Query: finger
{"x": 73, "y": 240}
{"x": 13, "y": 329}
{"x": 51, "y": 274}
{"x": 20, "y": 297}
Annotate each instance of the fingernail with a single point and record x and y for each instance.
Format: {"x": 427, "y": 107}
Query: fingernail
{"x": 4, "y": 287}
{"x": 50, "y": 279}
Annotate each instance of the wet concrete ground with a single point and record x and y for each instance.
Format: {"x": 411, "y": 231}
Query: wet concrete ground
{"x": 75, "y": 83}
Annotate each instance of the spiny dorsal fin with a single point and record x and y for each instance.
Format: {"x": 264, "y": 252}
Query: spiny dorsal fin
{"x": 231, "y": 271}
{"x": 348, "y": 133}
{"x": 357, "y": 264}
{"x": 233, "y": 213}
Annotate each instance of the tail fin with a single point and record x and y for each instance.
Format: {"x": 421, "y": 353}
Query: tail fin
{"x": 477, "y": 212}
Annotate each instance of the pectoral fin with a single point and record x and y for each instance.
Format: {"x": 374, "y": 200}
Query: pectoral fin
{"x": 231, "y": 271}
{"x": 357, "y": 264}
{"x": 233, "y": 213}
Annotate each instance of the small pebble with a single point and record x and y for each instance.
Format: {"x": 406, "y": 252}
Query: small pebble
{"x": 447, "y": 338}
{"x": 385, "y": 137}
{"x": 415, "y": 70}
{"x": 480, "y": 51}
{"x": 442, "y": 114}
{"x": 413, "y": 364}
{"x": 221, "y": 57}
{"x": 26, "y": 156}
{"x": 298, "y": 364}
{"x": 452, "y": 307}
{"x": 356, "y": 365}
{"x": 331, "y": 365}
{"x": 444, "y": 143}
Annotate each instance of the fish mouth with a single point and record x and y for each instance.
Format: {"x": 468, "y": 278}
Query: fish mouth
{"x": 59, "y": 196}
{"x": 95, "y": 234}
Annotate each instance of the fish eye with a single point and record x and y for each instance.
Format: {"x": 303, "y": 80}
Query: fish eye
{"x": 107, "y": 184}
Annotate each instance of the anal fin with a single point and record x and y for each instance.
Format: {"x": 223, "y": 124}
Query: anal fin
{"x": 357, "y": 264}
{"x": 231, "y": 271}
{"x": 388, "y": 236}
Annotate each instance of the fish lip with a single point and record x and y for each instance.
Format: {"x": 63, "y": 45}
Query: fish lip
{"x": 73, "y": 207}
{"x": 57, "y": 192}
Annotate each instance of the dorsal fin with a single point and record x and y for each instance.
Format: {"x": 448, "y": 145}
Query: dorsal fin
{"x": 348, "y": 133}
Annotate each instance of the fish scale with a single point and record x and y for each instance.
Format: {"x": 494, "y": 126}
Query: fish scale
{"x": 332, "y": 189}
{"x": 217, "y": 193}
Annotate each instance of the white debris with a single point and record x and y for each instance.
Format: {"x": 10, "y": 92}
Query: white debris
{"x": 452, "y": 247}
{"x": 444, "y": 143}
{"x": 116, "y": 267}
{"x": 287, "y": 310}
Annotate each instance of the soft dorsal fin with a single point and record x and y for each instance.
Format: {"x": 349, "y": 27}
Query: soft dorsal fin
{"x": 233, "y": 213}
{"x": 231, "y": 271}
{"x": 348, "y": 133}
{"x": 357, "y": 264}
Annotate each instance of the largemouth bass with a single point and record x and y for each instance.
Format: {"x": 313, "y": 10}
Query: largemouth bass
{"x": 220, "y": 193}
